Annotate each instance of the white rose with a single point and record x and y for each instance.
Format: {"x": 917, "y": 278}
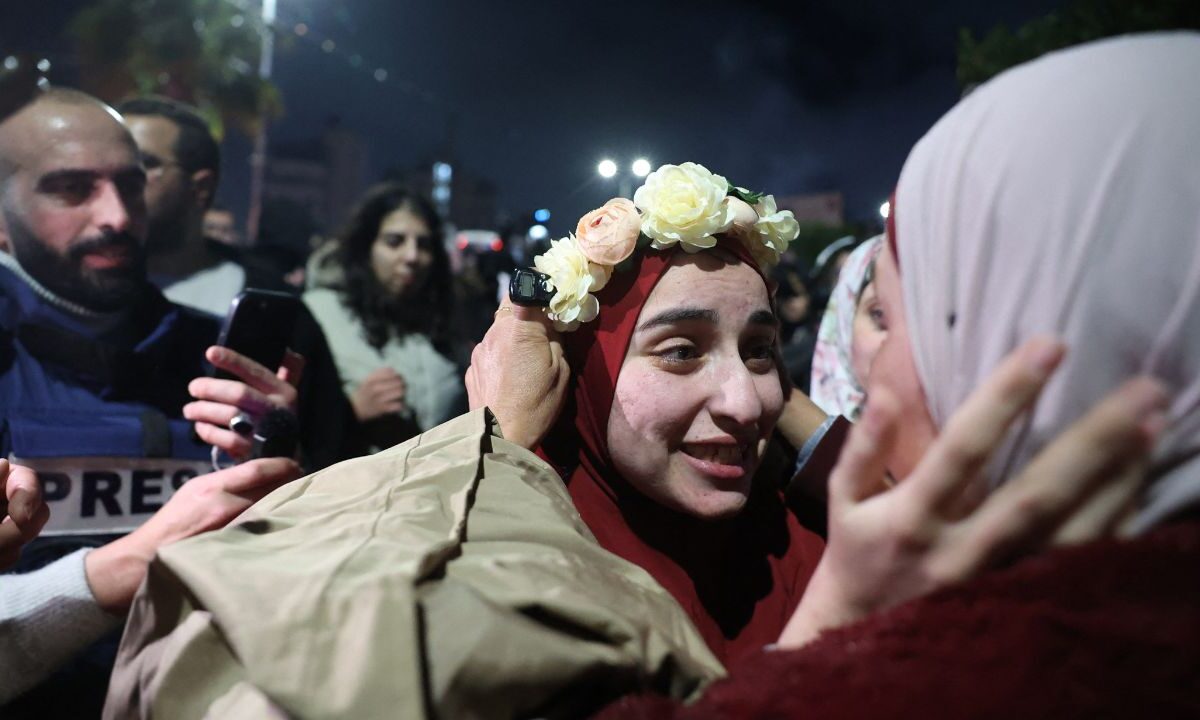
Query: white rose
{"x": 574, "y": 280}
{"x": 684, "y": 204}
{"x": 776, "y": 230}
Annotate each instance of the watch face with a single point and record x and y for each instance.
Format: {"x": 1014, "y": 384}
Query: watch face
{"x": 527, "y": 284}
{"x": 530, "y": 287}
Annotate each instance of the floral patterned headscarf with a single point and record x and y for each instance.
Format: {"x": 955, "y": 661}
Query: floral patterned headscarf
{"x": 834, "y": 387}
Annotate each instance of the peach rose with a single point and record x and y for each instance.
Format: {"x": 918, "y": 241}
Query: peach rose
{"x": 608, "y": 235}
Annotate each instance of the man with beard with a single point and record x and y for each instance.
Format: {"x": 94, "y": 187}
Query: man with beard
{"x": 96, "y": 368}
{"x": 183, "y": 168}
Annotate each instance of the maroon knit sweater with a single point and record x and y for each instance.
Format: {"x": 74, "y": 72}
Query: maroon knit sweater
{"x": 1106, "y": 630}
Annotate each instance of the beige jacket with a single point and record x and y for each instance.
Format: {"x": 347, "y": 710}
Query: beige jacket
{"x": 449, "y": 576}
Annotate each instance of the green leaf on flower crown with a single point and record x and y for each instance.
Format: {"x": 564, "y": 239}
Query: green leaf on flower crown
{"x": 748, "y": 196}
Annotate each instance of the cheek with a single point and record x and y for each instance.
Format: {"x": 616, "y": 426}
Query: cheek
{"x": 157, "y": 192}
{"x": 651, "y": 404}
{"x": 893, "y": 372}
{"x": 58, "y": 228}
{"x": 867, "y": 341}
{"x": 380, "y": 260}
{"x": 650, "y": 417}
{"x": 770, "y": 394}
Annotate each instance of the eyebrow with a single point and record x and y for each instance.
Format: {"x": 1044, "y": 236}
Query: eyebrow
{"x": 678, "y": 315}
{"x": 763, "y": 317}
{"x": 55, "y": 177}
{"x": 49, "y": 180}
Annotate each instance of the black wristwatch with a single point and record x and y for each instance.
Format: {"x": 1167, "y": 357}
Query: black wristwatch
{"x": 530, "y": 288}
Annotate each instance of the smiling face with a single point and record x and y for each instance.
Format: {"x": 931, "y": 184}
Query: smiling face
{"x": 402, "y": 253}
{"x": 73, "y": 209}
{"x": 698, "y": 393}
{"x": 893, "y": 371}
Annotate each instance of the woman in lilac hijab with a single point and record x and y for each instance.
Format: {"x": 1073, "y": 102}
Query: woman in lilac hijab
{"x": 1061, "y": 200}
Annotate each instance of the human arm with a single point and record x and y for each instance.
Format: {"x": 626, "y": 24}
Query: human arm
{"x": 519, "y": 371}
{"x": 801, "y": 418}
{"x": 204, "y": 503}
{"x": 938, "y": 526}
{"x": 47, "y": 616}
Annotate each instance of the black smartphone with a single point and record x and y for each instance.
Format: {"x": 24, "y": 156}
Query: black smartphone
{"x": 259, "y": 325}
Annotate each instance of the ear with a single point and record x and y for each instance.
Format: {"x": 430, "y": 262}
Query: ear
{"x": 204, "y": 188}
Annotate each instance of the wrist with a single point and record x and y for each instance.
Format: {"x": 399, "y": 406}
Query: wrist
{"x": 800, "y": 419}
{"x": 822, "y": 608}
{"x": 115, "y": 571}
{"x": 518, "y": 433}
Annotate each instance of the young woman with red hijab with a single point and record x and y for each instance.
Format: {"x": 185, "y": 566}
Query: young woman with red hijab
{"x": 676, "y": 394}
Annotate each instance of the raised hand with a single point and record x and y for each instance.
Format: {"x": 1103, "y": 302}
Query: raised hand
{"x": 520, "y": 373}
{"x": 939, "y": 526}
{"x": 219, "y": 401}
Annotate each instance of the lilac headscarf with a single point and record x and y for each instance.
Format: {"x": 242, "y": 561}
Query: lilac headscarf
{"x": 1063, "y": 197}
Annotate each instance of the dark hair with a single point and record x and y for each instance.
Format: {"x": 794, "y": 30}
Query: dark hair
{"x": 196, "y": 148}
{"x": 382, "y": 314}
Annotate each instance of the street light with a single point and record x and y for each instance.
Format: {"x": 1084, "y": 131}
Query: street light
{"x": 258, "y": 161}
{"x": 608, "y": 169}
{"x": 885, "y": 209}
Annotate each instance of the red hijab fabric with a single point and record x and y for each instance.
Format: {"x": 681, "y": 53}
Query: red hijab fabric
{"x": 738, "y": 579}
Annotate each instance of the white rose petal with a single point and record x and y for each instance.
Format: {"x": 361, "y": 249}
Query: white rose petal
{"x": 683, "y": 204}
{"x": 573, "y": 279}
{"x": 776, "y": 229}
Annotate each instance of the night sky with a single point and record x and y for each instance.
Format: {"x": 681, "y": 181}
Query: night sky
{"x": 785, "y": 97}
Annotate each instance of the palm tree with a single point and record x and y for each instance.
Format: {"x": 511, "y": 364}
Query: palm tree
{"x": 204, "y": 52}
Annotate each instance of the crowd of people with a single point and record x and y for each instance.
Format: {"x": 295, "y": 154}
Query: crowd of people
{"x": 951, "y": 470}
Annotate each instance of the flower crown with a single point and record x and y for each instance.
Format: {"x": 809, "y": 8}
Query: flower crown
{"x": 679, "y": 204}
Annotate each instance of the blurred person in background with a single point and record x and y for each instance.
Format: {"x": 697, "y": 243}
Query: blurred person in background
{"x": 190, "y": 248}
{"x": 797, "y": 330}
{"x": 183, "y": 166}
{"x": 851, "y": 331}
{"x": 826, "y": 269}
{"x": 384, "y": 297}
